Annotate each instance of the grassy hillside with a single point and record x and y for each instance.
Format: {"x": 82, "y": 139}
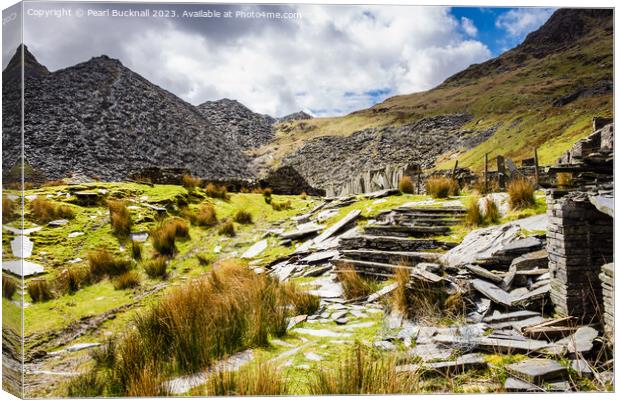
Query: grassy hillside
{"x": 514, "y": 92}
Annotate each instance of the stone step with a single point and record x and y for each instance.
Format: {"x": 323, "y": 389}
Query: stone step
{"x": 405, "y": 230}
{"x": 390, "y": 257}
{"x": 432, "y": 210}
{"x": 390, "y": 243}
{"x": 369, "y": 268}
{"x": 406, "y": 220}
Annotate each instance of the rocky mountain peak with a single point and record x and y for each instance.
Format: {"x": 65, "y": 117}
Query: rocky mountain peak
{"x": 32, "y": 67}
{"x": 238, "y": 123}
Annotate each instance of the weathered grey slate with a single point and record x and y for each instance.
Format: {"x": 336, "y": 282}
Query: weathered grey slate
{"x": 332, "y": 230}
{"x": 582, "y": 367}
{"x": 604, "y": 204}
{"x": 320, "y": 256}
{"x": 292, "y": 235}
{"x": 493, "y": 292}
{"x": 430, "y": 352}
{"x": 531, "y": 260}
{"x": 532, "y": 296}
{"x": 582, "y": 341}
{"x": 255, "y": 249}
{"x": 317, "y": 271}
{"x": 510, "y": 316}
{"x": 459, "y": 365}
{"x": 537, "y": 370}
{"x": 382, "y": 292}
{"x": 57, "y": 223}
{"x": 493, "y": 344}
{"x": 294, "y": 321}
{"x": 484, "y": 273}
{"x": 517, "y": 385}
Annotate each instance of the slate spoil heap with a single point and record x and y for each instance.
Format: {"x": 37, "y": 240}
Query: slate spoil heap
{"x": 502, "y": 277}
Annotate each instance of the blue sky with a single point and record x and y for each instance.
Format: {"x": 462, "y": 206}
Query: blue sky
{"x": 501, "y": 29}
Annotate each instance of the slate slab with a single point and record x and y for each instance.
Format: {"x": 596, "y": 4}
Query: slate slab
{"x": 493, "y": 292}
{"x": 537, "y": 370}
{"x": 256, "y": 249}
{"x": 484, "y": 273}
{"x": 332, "y": 230}
{"x": 459, "y": 365}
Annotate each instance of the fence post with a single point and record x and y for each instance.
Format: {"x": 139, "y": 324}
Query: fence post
{"x": 456, "y": 165}
{"x": 486, "y": 172}
{"x": 501, "y": 173}
{"x": 536, "y": 166}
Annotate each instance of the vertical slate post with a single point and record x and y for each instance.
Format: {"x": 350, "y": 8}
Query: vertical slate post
{"x": 486, "y": 172}
{"x": 501, "y": 172}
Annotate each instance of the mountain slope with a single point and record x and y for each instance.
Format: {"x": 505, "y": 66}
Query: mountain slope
{"x": 238, "y": 123}
{"x": 542, "y": 94}
{"x": 99, "y": 118}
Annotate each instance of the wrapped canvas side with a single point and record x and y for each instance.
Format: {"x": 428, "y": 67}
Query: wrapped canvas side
{"x": 15, "y": 244}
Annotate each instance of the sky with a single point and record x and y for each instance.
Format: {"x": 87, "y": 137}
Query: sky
{"x": 325, "y": 60}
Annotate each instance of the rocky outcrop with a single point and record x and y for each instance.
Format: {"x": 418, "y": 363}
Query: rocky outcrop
{"x": 300, "y": 115}
{"x": 330, "y": 161}
{"x": 238, "y": 123}
{"x": 99, "y": 118}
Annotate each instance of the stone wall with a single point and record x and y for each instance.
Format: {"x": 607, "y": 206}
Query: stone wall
{"x": 579, "y": 242}
{"x": 607, "y": 282}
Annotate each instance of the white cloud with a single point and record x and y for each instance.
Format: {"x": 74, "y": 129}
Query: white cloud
{"x": 332, "y": 61}
{"x": 518, "y": 22}
{"x": 469, "y": 27}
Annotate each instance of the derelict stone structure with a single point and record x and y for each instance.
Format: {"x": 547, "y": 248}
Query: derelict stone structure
{"x": 580, "y": 233}
{"x": 579, "y": 242}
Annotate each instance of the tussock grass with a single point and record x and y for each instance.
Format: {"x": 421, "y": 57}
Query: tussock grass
{"x": 190, "y": 182}
{"x": 441, "y": 187}
{"x": 127, "y": 280}
{"x": 120, "y": 218}
{"x": 216, "y": 192}
{"x": 303, "y": 195}
{"x": 40, "y": 290}
{"x": 267, "y": 195}
{"x": 473, "y": 216}
{"x": 8, "y": 210}
{"x": 136, "y": 250}
{"x": 353, "y": 285}
{"x": 70, "y": 279}
{"x": 227, "y": 228}
{"x": 103, "y": 263}
{"x": 281, "y": 205}
{"x": 156, "y": 267}
{"x": 405, "y": 185}
{"x": 362, "y": 371}
{"x": 564, "y": 179}
{"x": 228, "y": 310}
{"x": 44, "y": 211}
{"x": 521, "y": 194}
{"x": 400, "y": 301}
{"x": 85, "y": 385}
{"x": 206, "y": 215}
{"x": 9, "y": 287}
{"x": 422, "y": 301}
{"x": 491, "y": 212}
{"x": 243, "y": 217}
{"x": 257, "y": 379}
{"x": 487, "y": 216}
{"x": 303, "y": 302}
{"x": 164, "y": 236}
